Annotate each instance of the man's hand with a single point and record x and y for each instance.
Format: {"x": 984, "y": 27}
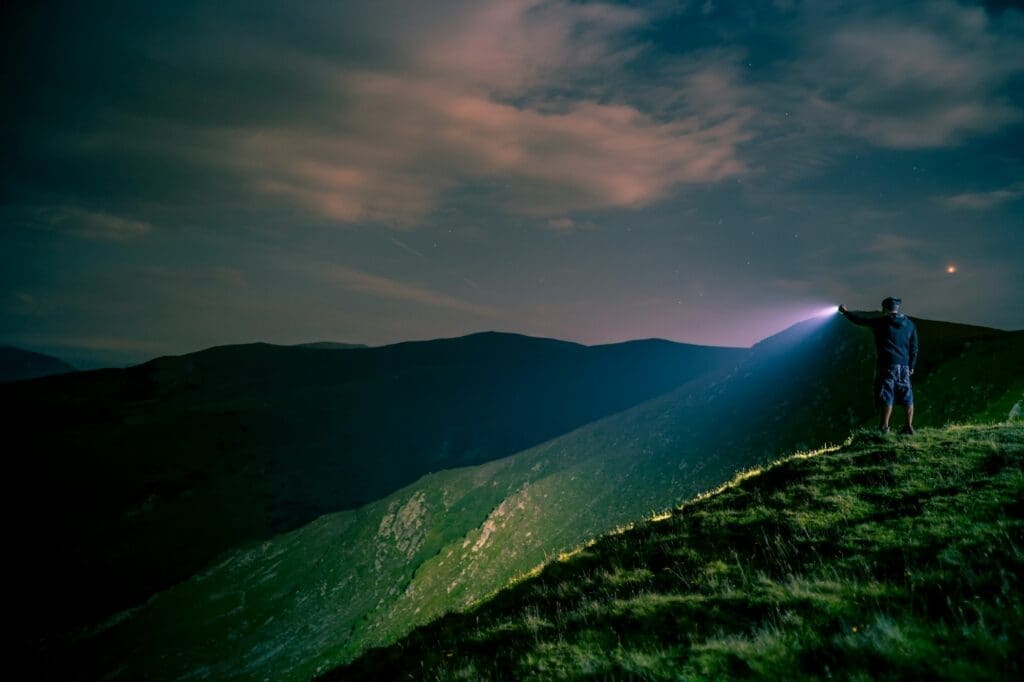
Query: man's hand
{"x": 842, "y": 308}
{"x": 911, "y": 371}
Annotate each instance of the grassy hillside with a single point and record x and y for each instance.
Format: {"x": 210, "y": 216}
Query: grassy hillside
{"x": 140, "y": 477}
{"x": 310, "y": 599}
{"x": 896, "y": 557}
{"x": 17, "y": 364}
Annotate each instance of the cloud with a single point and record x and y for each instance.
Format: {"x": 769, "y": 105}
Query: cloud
{"x": 20, "y": 303}
{"x": 508, "y": 47}
{"x": 890, "y": 243}
{"x": 388, "y": 113}
{"x": 91, "y": 343}
{"x": 931, "y": 77}
{"x": 91, "y": 224}
{"x": 799, "y": 286}
{"x": 385, "y": 287}
{"x": 587, "y": 156}
{"x": 527, "y": 104}
{"x": 566, "y": 224}
{"x": 984, "y": 200}
{"x": 506, "y": 100}
{"x": 405, "y": 247}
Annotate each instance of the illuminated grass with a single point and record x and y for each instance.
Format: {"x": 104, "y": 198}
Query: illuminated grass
{"x": 668, "y": 514}
{"x": 881, "y": 557}
{"x": 757, "y": 471}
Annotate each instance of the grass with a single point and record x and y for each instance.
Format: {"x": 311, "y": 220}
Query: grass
{"x": 888, "y": 557}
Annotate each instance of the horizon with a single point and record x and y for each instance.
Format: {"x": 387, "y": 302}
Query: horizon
{"x": 94, "y": 362}
{"x": 183, "y": 176}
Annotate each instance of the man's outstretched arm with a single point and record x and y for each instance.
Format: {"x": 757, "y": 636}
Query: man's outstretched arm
{"x": 854, "y": 317}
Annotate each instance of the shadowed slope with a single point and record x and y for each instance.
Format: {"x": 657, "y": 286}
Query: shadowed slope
{"x": 139, "y": 477}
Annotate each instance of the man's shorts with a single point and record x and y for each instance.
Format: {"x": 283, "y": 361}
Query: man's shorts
{"x": 892, "y": 385}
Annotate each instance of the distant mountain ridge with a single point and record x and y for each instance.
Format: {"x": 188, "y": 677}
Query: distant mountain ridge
{"x": 17, "y": 364}
{"x": 307, "y": 600}
{"x": 331, "y": 345}
{"x": 144, "y": 475}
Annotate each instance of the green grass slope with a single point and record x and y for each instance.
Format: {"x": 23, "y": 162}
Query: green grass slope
{"x": 141, "y": 477}
{"x": 891, "y": 558}
{"x": 304, "y": 601}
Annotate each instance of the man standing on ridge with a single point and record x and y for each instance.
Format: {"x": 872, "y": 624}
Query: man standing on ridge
{"x": 896, "y": 346}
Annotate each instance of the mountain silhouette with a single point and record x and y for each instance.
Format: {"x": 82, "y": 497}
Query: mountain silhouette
{"x": 331, "y": 345}
{"x": 140, "y": 477}
{"x": 319, "y": 596}
{"x": 17, "y": 364}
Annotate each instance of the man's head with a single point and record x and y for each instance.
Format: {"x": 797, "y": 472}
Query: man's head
{"x": 892, "y": 304}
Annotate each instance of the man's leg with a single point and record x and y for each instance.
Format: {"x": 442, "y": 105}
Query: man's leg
{"x": 905, "y": 393}
{"x": 908, "y": 428}
{"x": 886, "y": 414}
{"x": 885, "y": 384}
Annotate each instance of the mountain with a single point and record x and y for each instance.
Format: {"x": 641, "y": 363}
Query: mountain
{"x": 18, "y": 365}
{"x": 890, "y": 558}
{"x": 140, "y": 477}
{"x": 331, "y": 345}
{"x": 302, "y": 602}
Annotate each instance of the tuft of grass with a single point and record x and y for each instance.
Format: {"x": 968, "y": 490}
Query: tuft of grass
{"x": 882, "y": 557}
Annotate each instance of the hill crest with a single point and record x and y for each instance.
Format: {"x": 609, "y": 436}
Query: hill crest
{"x": 18, "y": 364}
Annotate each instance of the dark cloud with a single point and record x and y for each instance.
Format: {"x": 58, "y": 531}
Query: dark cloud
{"x": 989, "y": 199}
{"x": 931, "y": 78}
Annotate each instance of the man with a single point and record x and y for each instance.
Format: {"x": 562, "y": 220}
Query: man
{"x": 896, "y": 347}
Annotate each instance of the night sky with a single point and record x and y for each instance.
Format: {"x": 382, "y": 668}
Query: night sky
{"x": 179, "y": 175}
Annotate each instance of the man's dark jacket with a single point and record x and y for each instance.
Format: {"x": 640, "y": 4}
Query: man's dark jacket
{"x": 895, "y": 337}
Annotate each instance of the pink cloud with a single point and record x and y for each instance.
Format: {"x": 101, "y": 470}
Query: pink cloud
{"x": 385, "y": 287}
{"x": 408, "y": 142}
{"x": 567, "y": 224}
{"x": 508, "y": 46}
{"x": 523, "y": 98}
{"x": 983, "y": 200}
{"x": 442, "y": 119}
{"x": 93, "y": 224}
